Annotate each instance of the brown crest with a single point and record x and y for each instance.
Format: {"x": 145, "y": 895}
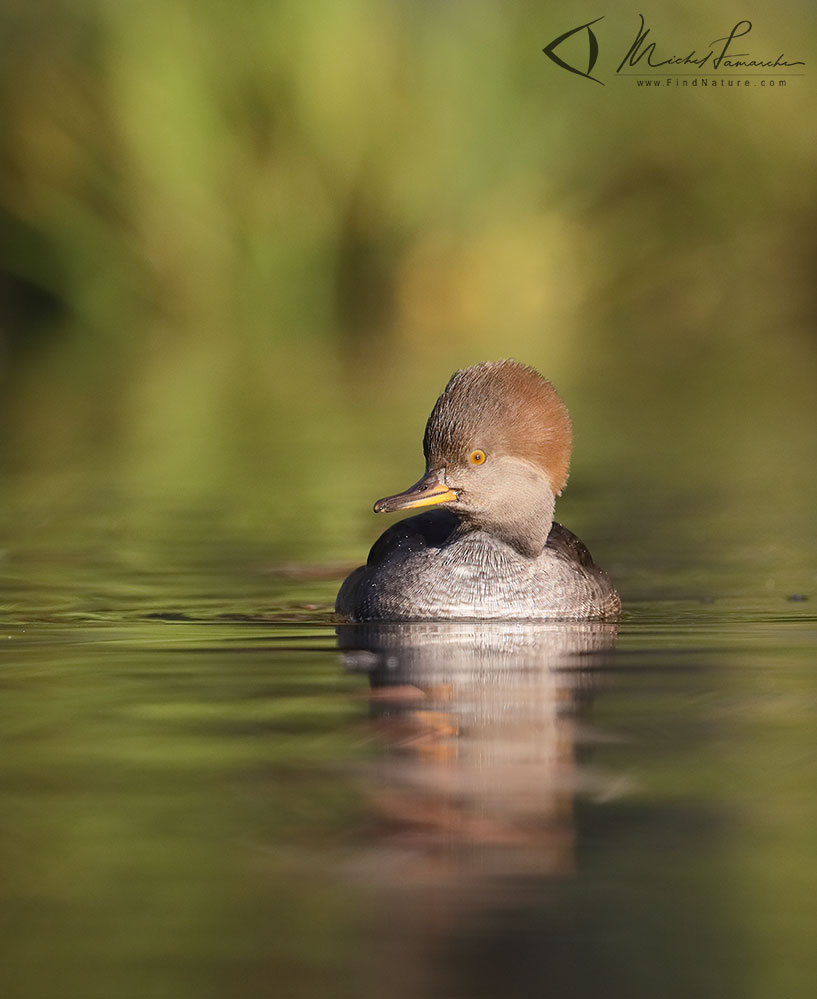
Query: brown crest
{"x": 503, "y": 407}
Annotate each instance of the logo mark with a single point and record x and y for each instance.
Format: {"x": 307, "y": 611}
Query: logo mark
{"x": 592, "y": 50}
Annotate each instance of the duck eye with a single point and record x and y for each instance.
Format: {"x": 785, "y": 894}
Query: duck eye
{"x": 477, "y": 457}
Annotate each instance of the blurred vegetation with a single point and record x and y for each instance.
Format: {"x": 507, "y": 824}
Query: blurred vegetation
{"x": 245, "y": 245}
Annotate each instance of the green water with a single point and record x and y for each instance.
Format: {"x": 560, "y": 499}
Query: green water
{"x": 207, "y": 791}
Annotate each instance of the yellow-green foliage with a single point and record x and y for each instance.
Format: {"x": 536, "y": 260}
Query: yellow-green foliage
{"x": 247, "y": 243}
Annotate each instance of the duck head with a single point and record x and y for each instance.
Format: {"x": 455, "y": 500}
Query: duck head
{"x": 497, "y": 449}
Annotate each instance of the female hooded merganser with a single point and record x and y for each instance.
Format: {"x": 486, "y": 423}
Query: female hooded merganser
{"x": 497, "y": 448}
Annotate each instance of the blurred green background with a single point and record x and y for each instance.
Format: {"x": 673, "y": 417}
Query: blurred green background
{"x": 245, "y": 244}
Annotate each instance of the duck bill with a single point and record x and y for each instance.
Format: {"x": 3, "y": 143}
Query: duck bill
{"x": 428, "y": 491}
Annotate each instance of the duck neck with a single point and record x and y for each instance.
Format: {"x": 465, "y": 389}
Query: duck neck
{"x": 524, "y": 527}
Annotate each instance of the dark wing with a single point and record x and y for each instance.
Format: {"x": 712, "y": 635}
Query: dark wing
{"x": 427, "y": 530}
{"x": 565, "y": 544}
{"x": 601, "y": 593}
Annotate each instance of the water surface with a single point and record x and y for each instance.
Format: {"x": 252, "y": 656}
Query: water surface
{"x": 209, "y": 789}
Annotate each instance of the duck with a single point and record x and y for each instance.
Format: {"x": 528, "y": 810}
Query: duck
{"x": 497, "y": 449}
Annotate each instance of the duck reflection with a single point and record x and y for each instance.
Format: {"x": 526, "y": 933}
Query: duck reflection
{"x": 479, "y": 724}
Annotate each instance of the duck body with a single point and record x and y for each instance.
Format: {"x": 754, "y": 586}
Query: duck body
{"x": 432, "y": 566}
{"x": 497, "y": 449}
